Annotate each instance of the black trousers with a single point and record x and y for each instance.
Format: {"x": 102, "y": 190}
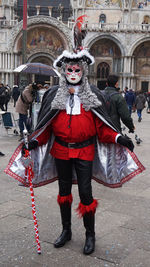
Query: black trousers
{"x": 83, "y": 170}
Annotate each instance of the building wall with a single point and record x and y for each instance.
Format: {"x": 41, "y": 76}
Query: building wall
{"x": 123, "y": 29}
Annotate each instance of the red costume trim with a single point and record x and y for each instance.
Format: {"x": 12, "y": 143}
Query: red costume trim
{"x": 61, "y": 200}
{"x": 82, "y": 209}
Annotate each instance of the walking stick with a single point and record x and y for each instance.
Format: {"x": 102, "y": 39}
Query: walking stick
{"x": 28, "y": 164}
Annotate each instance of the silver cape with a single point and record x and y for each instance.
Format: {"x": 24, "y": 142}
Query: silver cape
{"x": 113, "y": 164}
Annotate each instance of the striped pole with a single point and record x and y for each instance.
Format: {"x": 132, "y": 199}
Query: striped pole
{"x": 30, "y": 176}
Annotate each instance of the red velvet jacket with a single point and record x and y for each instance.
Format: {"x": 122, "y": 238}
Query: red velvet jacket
{"x": 83, "y": 127}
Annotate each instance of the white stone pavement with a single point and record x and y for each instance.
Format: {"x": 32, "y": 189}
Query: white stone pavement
{"x": 122, "y": 218}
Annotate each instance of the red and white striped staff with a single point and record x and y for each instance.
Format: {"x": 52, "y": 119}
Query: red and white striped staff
{"x": 30, "y": 174}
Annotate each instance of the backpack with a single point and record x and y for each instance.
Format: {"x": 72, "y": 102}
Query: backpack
{"x": 107, "y": 98}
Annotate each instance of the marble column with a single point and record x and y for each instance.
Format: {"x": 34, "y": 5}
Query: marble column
{"x": 50, "y": 10}
{"x": 7, "y": 61}
{"x": 3, "y": 78}
{"x": 3, "y": 60}
{"x": 15, "y": 55}
{"x": 10, "y": 13}
{"x": 132, "y": 65}
{"x": 12, "y": 61}
{"x": 6, "y": 79}
{"x": 11, "y": 79}
{"x": 38, "y": 10}
{"x": 9, "y": 55}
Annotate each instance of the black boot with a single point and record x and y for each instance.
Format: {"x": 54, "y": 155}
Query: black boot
{"x": 66, "y": 234}
{"x": 89, "y": 223}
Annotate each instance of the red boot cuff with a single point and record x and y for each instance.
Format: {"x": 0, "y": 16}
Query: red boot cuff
{"x": 64, "y": 199}
{"x": 82, "y": 209}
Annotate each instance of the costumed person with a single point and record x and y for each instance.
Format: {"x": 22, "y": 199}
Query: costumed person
{"x": 75, "y": 141}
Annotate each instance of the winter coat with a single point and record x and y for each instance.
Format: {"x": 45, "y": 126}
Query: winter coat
{"x": 2, "y": 95}
{"x": 24, "y": 100}
{"x": 7, "y": 95}
{"x": 119, "y": 109}
{"x": 140, "y": 102}
{"x": 148, "y": 97}
{"x": 15, "y": 93}
{"x": 130, "y": 98}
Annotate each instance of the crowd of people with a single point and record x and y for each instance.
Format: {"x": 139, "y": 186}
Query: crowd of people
{"x": 22, "y": 102}
{"x": 136, "y": 101}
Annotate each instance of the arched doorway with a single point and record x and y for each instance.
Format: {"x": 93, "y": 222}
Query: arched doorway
{"x": 103, "y": 70}
{"x": 142, "y": 66}
{"x": 43, "y": 78}
{"x": 44, "y": 44}
{"x": 102, "y": 18}
{"x": 107, "y": 56}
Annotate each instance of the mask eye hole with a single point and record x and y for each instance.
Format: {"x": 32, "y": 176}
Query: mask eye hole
{"x": 70, "y": 70}
{"x": 77, "y": 70}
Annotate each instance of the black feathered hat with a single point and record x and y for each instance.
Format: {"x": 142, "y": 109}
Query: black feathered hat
{"x": 79, "y": 53}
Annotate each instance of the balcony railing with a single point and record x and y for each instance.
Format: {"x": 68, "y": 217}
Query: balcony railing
{"x": 7, "y": 23}
{"x": 8, "y": 2}
{"x": 113, "y": 27}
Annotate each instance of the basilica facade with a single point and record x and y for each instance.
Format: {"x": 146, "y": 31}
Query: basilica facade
{"x": 118, "y": 36}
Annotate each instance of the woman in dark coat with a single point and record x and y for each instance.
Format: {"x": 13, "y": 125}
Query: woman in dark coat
{"x": 15, "y": 94}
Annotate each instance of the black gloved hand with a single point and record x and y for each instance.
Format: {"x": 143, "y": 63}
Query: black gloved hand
{"x": 131, "y": 130}
{"x": 31, "y": 145}
{"x": 126, "y": 141}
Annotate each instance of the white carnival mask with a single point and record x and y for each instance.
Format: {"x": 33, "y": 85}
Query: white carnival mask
{"x": 73, "y": 73}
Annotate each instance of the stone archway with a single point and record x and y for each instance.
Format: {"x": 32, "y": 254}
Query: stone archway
{"x": 42, "y": 39}
{"x": 103, "y": 70}
{"x": 142, "y": 66}
{"x": 44, "y": 35}
{"x": 106, "y": 52}
{"x": 38, "y": 21}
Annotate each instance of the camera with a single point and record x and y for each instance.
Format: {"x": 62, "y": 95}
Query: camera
{"x": 34, "y": 86}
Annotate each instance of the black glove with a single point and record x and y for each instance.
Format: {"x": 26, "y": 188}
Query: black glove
{"x": 31, "y": 145}
{"x": 131, "y": 130}
{"x": 126, "y": 141}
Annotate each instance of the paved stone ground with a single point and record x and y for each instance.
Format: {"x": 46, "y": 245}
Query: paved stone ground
{"x": 122, "y": 219}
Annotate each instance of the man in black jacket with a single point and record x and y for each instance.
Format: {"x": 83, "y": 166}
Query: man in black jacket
{"x": 2, "y": 96}
{"x": 116, "y": 104}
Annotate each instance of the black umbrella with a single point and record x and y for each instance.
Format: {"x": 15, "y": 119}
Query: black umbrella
{"x": 37, "y": 68}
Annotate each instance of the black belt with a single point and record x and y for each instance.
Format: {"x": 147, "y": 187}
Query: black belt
{"x": 85, "y": 143}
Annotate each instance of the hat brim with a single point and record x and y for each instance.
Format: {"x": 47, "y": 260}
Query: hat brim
{"x": 67, "y": 57}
